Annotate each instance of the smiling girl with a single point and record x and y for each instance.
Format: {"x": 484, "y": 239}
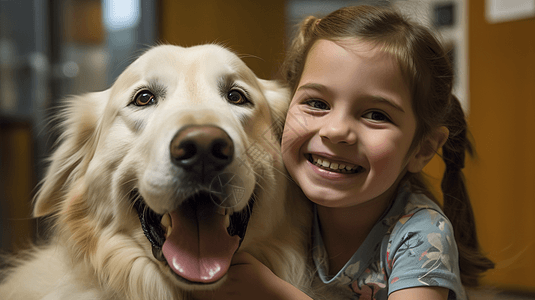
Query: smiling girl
{"x": 372, "y": 105}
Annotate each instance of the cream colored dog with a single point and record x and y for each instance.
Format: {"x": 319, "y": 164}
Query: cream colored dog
{"x": 159, "y": 180}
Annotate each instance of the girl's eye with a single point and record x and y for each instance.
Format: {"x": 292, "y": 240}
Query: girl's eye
{"x": 377, "y": 116}
{"x": 317, "y": 104}
{"x": 144, "y": 98}
{"x": 236, "y": 97}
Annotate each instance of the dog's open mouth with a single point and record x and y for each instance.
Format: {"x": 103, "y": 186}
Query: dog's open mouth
{"x": 198, "y": 239}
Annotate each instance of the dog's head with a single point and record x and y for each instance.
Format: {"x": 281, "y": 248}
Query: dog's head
{"x": 169, "y": 160}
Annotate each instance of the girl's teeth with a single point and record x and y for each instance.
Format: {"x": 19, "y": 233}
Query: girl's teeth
{"x": 335, "y": 166}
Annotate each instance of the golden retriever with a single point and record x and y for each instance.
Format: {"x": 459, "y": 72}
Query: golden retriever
{"x": 159, "y": 180}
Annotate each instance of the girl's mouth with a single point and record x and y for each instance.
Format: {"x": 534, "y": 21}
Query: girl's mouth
{"x": 325, "y": 164}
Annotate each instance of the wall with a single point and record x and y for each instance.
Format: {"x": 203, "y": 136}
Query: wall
{"x": 502, "y": 178}
{"x": 253, "y": 29}
{"x": 16, "y": 184}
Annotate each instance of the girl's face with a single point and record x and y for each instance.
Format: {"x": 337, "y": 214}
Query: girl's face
{"x": 350, "y": 125}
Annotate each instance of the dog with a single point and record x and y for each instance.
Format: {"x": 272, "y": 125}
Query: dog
{"x": 158, "y": 181}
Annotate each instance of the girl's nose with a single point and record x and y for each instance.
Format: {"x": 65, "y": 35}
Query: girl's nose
{"x": 338, "y": 130}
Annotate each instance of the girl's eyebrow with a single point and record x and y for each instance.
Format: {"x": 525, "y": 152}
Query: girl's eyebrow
{"x": 313, "y": 86}
{"x": 378, "y": 99}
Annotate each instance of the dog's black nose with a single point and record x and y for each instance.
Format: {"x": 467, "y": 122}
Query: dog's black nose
{"x": 202, "y": 149}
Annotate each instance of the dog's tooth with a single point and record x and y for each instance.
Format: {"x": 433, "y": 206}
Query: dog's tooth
{"x": 318, "y": 161}
{"x": 166, "y": 220}
{"x": 169, "y": 230}
{"x": 325, "y": 163}
{"x": 227, "y": 221}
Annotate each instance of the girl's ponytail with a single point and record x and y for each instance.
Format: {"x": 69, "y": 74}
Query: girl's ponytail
{"x": 457, "y": 204}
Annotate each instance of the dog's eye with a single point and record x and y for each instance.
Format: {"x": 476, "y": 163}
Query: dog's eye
{"x": 144, "y": 98}
{"x": 236, "y": 97}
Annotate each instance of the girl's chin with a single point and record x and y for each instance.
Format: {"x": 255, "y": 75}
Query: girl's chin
{"x": 328, "y": 197}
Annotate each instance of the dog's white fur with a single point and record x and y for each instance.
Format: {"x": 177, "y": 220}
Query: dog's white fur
{"x": 109, "y": 148}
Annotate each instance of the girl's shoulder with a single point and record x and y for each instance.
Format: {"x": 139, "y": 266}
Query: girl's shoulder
{"x": 422, "y": 243}
{"x": 411, "y": 209}
{"x": 417, "y": 202}
{"x": 420, "y": 216}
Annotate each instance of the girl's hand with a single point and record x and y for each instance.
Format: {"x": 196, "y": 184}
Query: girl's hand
{"x": 248, "y": 279}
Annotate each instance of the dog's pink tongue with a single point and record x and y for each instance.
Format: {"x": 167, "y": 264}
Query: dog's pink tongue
{"x": 199, "y": 247}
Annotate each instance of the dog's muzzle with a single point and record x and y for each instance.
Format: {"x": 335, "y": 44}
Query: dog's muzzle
{"x": 199, "y": 237}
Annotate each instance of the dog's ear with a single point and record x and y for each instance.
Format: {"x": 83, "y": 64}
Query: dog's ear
{"x": 79, "y": 120}
{"x": 278, "y": 97}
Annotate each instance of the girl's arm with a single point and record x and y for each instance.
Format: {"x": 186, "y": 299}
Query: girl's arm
{"x": 424, "y": 293}
{"x": 248, "y": 279}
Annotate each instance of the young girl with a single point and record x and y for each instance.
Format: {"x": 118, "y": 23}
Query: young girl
{"x": 372, "y": 105}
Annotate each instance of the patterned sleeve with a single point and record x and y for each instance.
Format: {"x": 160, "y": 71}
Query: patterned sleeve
{"x": 422, "y": 252}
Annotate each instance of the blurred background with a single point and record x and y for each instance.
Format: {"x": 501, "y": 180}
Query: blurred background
{"x": 50, "y": 49}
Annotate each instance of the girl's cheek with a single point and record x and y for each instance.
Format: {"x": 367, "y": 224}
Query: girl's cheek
{"x": 296, "y": 125}
{"x": 289, "y": 139}
{"x": 381, "y": 149}
{"x": 386, "y": 154}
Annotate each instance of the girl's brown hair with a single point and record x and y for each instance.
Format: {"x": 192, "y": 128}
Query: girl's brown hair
{"x": 425, "y": 64}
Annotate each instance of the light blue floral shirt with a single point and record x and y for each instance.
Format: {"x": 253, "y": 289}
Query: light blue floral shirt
{"x": 412, "y": 246}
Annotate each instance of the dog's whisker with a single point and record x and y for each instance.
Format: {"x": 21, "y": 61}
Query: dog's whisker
{"x": 251, "y": 56}
{"x": 285, "y": 175}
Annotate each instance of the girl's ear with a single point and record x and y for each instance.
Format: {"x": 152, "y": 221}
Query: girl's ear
{"x": 425, "y": 151}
